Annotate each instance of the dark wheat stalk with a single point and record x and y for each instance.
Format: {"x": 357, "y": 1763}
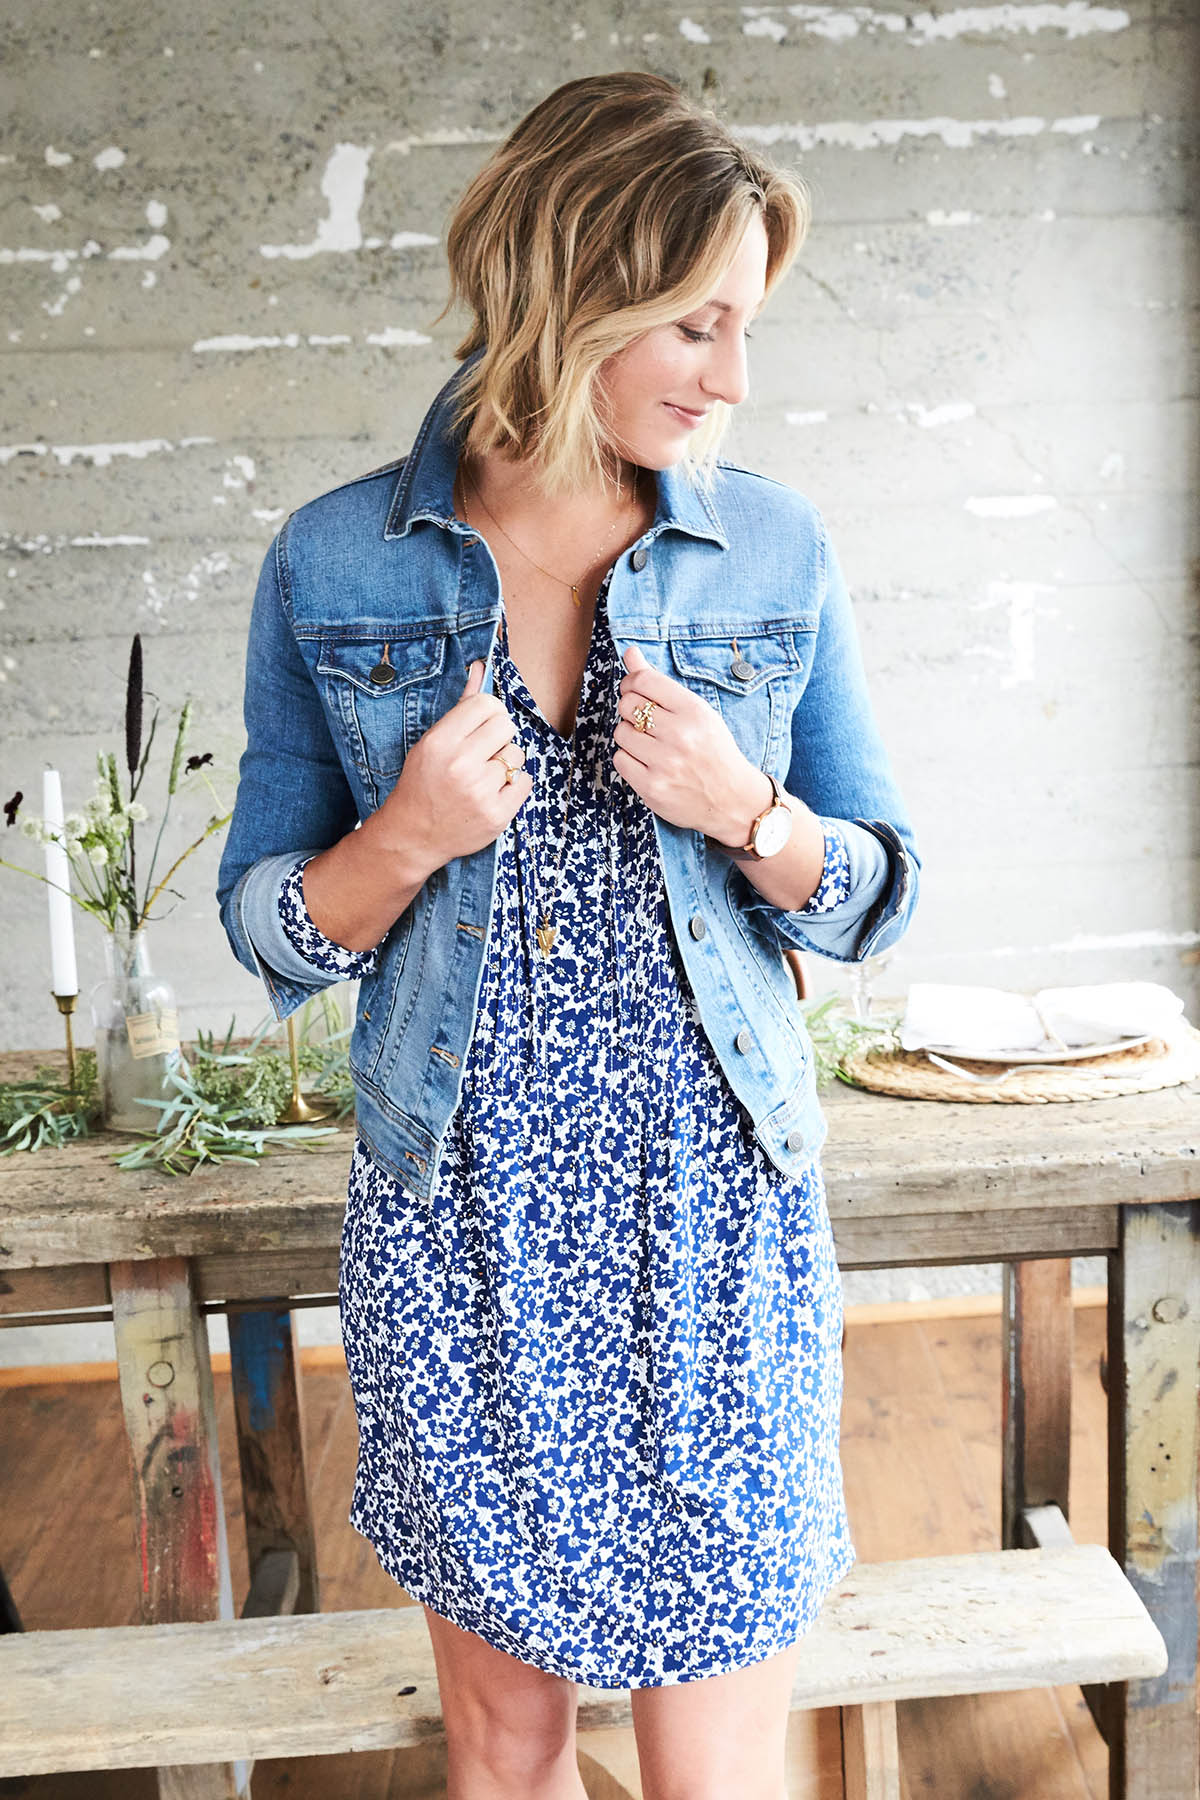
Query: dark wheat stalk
{"x": 133, "y": 738}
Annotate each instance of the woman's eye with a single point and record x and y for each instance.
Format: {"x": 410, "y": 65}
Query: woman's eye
{"x": 706, "y": 337}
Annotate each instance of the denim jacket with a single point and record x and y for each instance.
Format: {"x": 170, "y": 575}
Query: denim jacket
{"x": 383, "y": 560}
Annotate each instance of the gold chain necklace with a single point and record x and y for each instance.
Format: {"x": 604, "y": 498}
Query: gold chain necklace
{"x": 546, "y": 932}
{"x": 573, "y": 585}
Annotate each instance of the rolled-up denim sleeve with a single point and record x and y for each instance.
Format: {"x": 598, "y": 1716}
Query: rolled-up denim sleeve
{"x": 307, "y": 937}
{"x": 293, "y": 798}
{"x": 841, "y": 769}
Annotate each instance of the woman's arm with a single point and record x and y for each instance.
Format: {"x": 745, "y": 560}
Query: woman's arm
{"x": 841, "y": 771}
{"x": 293, "y": 799}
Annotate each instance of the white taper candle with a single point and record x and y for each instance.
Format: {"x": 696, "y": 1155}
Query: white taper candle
{"x": 58, "y": 870}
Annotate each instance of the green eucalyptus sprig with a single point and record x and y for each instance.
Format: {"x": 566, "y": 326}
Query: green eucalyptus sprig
{"x": 43, "y": 1110}
{"x": 835, "y": 1032}
{"x": 226, "y": 1107}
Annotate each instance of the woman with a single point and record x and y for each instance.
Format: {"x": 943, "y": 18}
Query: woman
{"x": 589, "y": 1298}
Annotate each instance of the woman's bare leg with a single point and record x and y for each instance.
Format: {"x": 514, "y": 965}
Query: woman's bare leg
{"x": 724, "y": 1735}
{"x": 510, "y": 1728}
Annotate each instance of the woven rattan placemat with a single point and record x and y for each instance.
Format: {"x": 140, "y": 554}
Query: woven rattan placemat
{"x": 1161, "y": 1062}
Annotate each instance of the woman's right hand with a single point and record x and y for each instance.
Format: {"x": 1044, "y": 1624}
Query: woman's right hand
{"x": 451, "y": 797}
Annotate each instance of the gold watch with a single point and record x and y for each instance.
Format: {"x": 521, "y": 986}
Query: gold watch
{"x": 772, "y": 827}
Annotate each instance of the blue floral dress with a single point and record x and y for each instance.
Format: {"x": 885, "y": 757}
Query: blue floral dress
{"x": 598, "y": 1375}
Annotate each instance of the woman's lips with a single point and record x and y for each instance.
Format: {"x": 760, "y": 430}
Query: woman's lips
{"x": 690, "y": 419}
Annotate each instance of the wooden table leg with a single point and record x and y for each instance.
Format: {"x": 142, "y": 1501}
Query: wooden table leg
{"x": 1153, "y": 1349}
{"x": 167, "y": 1394}
{"x": 268, "y": 1399}
{"x": 1036, "y": 1395}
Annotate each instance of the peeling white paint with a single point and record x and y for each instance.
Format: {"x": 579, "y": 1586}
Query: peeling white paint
{"x": 343, "y": 185}
{"x": 99, "y": 455}
{"x": 1151, "y": 939}
{"x": 445, "y": 135}
{"x": 57, "y": 159}
{"x": 112, "y": 158}
{"x": 269, "y": 514}
{"x": 762, "y": 25}
{"x": 48, "y": 213}
{"x": 239, "y": 472}
{"x": 188, "y": 588}
{"x": 996, "y": 87}
{"x": 393, "y": 336}
{"x": 156, "y": 214}
{"x": 239, "y": 342}
{"x": 56, "y": 307}
{"x": 805, "y": 418}
{"x": 928, "y": 417}
{"x": 870, "y": 134}
{"x": 1076, "y": 19}
{"x": 44, "y": 545}
{"x": 1009, "y": 506}
{"x": 1022, "y": 600}
{"x": 404, "y": 240}
{"x": 695, "y": 34}
{"x": 937, "y": 217}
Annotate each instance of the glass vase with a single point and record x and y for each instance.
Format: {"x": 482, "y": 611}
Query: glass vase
{"x": 136, "y": 1026}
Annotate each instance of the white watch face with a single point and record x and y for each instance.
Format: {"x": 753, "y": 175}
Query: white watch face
{"x": 774, "y": 831}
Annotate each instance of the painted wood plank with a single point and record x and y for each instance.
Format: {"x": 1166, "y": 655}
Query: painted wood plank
{"x": 269, "y": 1409}
{"x": 170, "y": 1418}
{"x": 314, "y": 1684}
{"x": 1153, "y": 1353}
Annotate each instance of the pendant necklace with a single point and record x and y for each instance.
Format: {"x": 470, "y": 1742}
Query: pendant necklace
{"x": 546, "y": 932}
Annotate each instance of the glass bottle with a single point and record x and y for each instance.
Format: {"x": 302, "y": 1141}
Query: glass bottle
{"x": 136, "y": 1026}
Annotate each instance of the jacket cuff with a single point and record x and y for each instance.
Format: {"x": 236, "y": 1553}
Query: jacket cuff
{"x": 255, "y": 923}
{"x": 873, "y": 915}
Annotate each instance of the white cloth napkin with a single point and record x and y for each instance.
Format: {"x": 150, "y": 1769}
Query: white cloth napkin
{"x": 946, "y": 1016}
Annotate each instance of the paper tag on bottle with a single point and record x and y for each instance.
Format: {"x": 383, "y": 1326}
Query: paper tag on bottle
{"x": 153, "y": 1033}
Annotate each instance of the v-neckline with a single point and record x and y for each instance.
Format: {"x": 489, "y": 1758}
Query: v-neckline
{"x": 526, "y": 694}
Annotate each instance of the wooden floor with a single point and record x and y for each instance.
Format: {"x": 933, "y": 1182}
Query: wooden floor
{"x": 921, "y": 1454}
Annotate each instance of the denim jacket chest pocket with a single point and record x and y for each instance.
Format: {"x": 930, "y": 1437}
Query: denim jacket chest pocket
{"x": 382, "y": 692}
{"x": 753, "y": 680}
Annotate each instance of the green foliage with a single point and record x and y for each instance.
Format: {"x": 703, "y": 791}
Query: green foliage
{"x": 226, "y": 1106}
{"x": 44, "y": 1110}
{"x": 834, "y": 1033}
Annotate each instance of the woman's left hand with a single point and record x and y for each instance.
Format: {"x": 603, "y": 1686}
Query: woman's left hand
{"x": 688, "y": 768}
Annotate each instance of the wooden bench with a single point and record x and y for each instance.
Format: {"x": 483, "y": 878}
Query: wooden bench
{"x": 206, "y": 1698}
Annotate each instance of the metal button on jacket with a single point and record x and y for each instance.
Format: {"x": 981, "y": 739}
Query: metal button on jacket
{"x": 638, "y": 559}
{"x": 696, "y": 926}
{"x": 742, "y": 669}
{"x": 795, "y": 1139}
{"x": 382, "y": 674}
{"x": 744, "y": 1038}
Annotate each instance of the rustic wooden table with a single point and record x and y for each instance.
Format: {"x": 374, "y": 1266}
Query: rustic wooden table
{"x": 908, "y": 1182}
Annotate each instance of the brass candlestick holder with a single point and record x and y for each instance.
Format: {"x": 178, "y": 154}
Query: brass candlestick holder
{"x": 66, "y": 1006}
{"x": 299, "y": 1111}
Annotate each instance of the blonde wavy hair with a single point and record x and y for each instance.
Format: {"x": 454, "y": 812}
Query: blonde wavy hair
{"x": 615, "y": 206}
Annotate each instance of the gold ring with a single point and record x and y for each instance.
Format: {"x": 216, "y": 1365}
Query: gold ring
{"x": 643, "y": 718}
{"x": 509, "y": 770}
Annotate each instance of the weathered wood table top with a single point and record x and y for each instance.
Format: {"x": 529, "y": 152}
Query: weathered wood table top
{"x": 906, "y": 1181}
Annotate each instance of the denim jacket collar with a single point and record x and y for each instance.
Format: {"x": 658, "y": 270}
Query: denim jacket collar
{"x": 425, "y": 486}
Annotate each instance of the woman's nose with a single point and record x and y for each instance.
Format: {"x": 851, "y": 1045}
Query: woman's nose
{"x": 726, "y": 377}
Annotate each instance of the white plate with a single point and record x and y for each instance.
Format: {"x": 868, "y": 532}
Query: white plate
{"x": 1040, "y": 1056}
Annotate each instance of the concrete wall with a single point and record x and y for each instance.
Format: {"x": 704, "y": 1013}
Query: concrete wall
{"x": 222, "y": 232}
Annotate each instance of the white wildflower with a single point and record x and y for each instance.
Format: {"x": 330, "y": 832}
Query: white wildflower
{"x": 98, "y": 854}
{"x": 31, "y": 825}
{"x": 75, "y": 824}
{"x": 136, "y": 811}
